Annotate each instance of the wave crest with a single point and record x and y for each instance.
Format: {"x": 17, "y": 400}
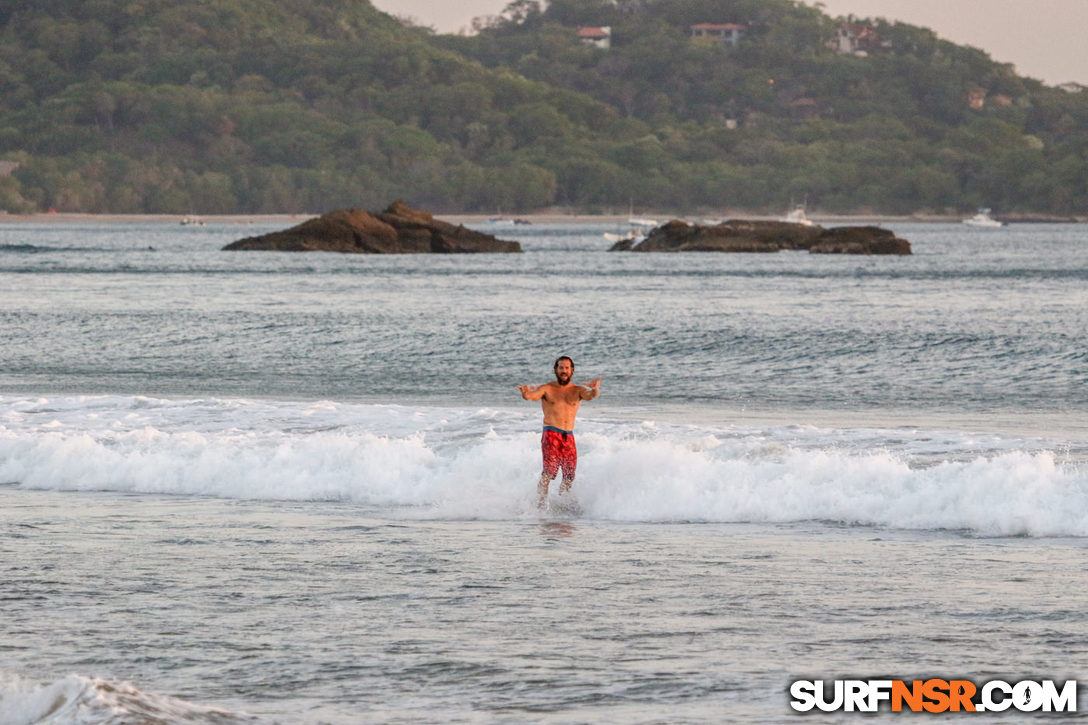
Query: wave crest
{"x": 78, "y": 700}
{"x": 469, "y": 463}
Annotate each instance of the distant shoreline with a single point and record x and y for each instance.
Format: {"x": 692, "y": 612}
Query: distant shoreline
{"x": 79, "y": 218}
{"x": 288, "y": 220}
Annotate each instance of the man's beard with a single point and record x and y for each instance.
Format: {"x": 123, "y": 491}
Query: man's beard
{"x": 563, "y": 378}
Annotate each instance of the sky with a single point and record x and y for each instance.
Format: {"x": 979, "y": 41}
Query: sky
{"x": 1042, "y": 38}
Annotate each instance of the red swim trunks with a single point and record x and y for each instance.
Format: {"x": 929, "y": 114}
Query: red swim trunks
{"x": 559, "y": 452}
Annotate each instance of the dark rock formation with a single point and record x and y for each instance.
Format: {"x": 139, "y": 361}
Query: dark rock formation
{"x": 397, "y": 230}
{"x": 859, "y": 240}
{"x": 732, "y": 236}
{"x": 741, "y": 235}
{"x": 623, "y": 245}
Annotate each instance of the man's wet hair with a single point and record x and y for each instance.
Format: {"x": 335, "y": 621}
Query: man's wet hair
{"x": 560, "y": 358}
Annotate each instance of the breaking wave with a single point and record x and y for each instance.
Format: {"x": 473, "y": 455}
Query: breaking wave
{"x": 461, "y": 463}
{"x": 78, "y": 700}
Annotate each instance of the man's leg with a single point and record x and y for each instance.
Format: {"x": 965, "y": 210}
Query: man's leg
{"x": 570, "y": 464}
{"x": 551, "y": 455}
{"x": 542, "y": 489}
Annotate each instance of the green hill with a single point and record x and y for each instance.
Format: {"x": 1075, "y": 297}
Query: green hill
{"x": 260, "y": 106}
{"x": 221, "y": 106}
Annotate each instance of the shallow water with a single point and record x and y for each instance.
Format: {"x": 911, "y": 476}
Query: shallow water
{"x": 326, "y": 612}
{"x": 243, "y": 487}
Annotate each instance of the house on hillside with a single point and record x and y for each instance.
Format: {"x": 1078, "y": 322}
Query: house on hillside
{"x": 977, "y": 98}
{"x": 600, "y": 37}
{"x": 856, "y": 39}
{"x": 718, "y": 33}
{"x": 7, "y": 167}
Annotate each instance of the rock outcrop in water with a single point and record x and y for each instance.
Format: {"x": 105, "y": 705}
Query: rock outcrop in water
{"x": 859, "y": 240}
{"x": 741, "y": 235}
{"x": 398, "y": 230}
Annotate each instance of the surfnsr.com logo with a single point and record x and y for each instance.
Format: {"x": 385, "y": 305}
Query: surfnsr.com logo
{"x": 933, "y": 695}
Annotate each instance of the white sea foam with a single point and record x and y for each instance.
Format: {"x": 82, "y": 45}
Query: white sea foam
{"x": 78, "y": 700}
{"x": 482, "y": 463}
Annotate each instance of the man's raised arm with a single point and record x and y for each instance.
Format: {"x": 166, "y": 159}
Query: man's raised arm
{"x": 530, "y": 393}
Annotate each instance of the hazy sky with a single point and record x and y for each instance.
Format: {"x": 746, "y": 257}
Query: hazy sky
{"x": 1042, "y": 38}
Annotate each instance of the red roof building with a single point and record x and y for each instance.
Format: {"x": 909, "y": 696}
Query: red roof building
{"x": 598, "y": 36}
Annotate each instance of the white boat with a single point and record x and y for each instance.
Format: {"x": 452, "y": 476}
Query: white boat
{"x": 983, "y": 219}
{"x": 797, "y": 216}
{"x": 635, "y": 235}
{"x": 639, "y": 228}
{"x": 192, "y": 221}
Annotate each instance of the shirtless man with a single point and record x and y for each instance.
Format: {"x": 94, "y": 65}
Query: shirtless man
{"x": 560, "y": 401}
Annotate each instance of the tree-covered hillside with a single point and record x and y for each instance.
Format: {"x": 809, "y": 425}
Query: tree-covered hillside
{"x": 261, "y": 106}
{"x": 905, "y": 122}
{"x": 206, "y": 106}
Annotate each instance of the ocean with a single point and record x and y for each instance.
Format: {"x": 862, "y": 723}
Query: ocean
{"x": 258, "y": 487}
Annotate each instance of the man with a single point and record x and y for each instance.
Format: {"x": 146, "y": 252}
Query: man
{"x": 560, "y": 401}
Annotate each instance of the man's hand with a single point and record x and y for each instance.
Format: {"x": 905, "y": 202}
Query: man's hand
{"x": 525, "y": 390}
{"x": 594, "y": 388}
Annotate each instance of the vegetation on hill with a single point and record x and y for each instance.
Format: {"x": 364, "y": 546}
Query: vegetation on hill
{"x": 213, "y": 106}
{"x": 217, "y": 106}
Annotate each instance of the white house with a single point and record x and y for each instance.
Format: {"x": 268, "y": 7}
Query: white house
{"x": 600, "y": 37}
{"x": 720, "y": 33}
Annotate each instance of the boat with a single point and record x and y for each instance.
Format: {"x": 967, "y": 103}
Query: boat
{"x": 633, "y": 236}
{"x": 192, "y": 221}
{"x": 796, "y": 215}
{"x": 983, "y": 219}
{"x": 639, "y": 222}
{"x": 638, "y": 229}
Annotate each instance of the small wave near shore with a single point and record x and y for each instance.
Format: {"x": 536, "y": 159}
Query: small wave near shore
{"x": 80, "y": 700}
{"x": 481, "y": 463}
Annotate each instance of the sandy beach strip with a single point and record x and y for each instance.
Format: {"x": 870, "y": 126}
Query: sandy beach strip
{"x": 76, "y": 218}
